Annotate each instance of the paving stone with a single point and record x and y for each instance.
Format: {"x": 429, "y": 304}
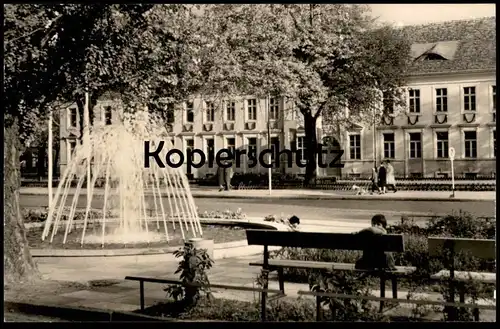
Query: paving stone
{"x": 57, "y": 300}
{"x": 119, "y": 307}
{"x": 91, "y": 295}
{"x": 115, "y": 289}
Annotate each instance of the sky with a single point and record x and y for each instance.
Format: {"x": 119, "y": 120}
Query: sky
{"x": 412, "y": 14}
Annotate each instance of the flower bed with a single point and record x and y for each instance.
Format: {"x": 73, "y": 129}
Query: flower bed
{"x": 38, "y": 215}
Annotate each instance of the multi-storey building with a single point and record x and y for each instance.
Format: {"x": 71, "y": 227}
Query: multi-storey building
{"x": 451, "y": 99}
{"x": 451, "y": 96}
{"x": 238, "y": 123}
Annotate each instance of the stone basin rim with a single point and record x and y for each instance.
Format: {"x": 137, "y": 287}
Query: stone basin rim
{"x": 131, "y": 251}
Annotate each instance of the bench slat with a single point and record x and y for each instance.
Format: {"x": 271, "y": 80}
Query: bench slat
{"x": 341, "y": 241}
{"x": 481, "y": 248}
{"x": 464, "y": 276}
{"x": 324, "y": 265}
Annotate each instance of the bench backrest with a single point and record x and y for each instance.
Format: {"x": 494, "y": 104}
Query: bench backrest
{"x": 338, "y": 241}
{"x": 481, "y": 248}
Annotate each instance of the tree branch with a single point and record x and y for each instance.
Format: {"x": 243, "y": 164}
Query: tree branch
{"x": 320, "y": 109}
{"x": 295, "y": 22}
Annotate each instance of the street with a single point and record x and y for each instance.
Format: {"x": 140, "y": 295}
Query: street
{"x": 308, "y": 209}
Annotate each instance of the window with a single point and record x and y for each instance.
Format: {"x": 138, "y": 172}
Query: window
{"x": 442, "y": 144}
{"x": 72, "y": 147}
{"x": 231, "y": 111}
{"x": 388, "y": 103}
{"x": 189, "y": 146}
{"x": 273, "y": 109}
{"x": 441, "y": 100}
{"x": 355, "y": 146}
{"x": 495, "y": 143}
{"x": 470, "y": 140}
{"x": 73, "y": 117}
{"x": 252, "y": 109}
{"x": 275, "y": 145}
{"x": 190, "y": 112}
{"x": 470, "y": 99}
{"x": 231, "y": 145}
{"x": 210, "y": 146}
{"x": 415, "y": 145}
{"x": 414, "y": 100}
{"x": 108, "y": 115}
{"x": 170, "y": 113}
{"x": 494, "y": 97}
{"x": 34, "y": 160}
{"x": 252, "y": 146}
{"x": 301, "y": 149}
{"x": 389, "y": 146}
{"x": 210, "y": 114}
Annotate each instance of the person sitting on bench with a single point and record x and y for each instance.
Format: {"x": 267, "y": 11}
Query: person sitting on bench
{"x": 371, "y": 259}
{"x": 293, "y": 223}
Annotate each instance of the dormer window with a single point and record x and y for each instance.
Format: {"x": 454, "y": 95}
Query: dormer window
{"x": 441, "y": 51}
{"x": 432, "y": 57}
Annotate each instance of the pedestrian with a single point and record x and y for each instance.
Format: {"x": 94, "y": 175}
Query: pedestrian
{"x": 374, "y": 180}
{"x": 221, "y": 178}
{"x": 391, "y": 180}
{"x": 228, "y": 175}
{"x": 375, "y": 259}
{"x": 382, "y": 178}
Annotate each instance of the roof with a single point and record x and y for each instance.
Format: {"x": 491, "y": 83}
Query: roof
{"x": 462, "y": 45}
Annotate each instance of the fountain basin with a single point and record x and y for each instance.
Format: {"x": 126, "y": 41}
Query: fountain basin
{"x": 222, "y": 241}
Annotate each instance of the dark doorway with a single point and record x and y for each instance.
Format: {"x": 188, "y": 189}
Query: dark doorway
{"x": 333, "y": 149}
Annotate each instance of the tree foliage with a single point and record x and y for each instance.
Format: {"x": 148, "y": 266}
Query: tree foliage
{"x": 55, "y": 53}
{"x": 325, "y": 58}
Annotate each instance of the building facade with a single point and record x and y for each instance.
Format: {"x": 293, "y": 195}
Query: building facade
{"x": 239, "y": 124}
{"x": 451, "y": 97}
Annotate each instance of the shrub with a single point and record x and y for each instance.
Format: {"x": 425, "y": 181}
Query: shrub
{"x": 227, "y": 214}
{"x": 286, "y": 309}
{"x": 41, "y": 214}
{"x": 354, "y": 284}
{"x": 320, "y": 255}
{"x": 192, "y": 269}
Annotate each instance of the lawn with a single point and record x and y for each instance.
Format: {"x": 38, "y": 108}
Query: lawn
{"x": 218, "y": 233}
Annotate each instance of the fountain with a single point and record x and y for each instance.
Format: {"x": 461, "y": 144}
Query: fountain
{"x": 140, "y": 205}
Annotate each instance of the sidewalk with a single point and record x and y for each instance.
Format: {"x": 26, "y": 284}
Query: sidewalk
{"x": 304, "y": 194}
{"x": 122, "y": 295}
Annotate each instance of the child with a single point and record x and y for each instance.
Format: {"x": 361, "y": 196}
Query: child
{"x": 293, "y": 223}
{"x": 375, "y": 259}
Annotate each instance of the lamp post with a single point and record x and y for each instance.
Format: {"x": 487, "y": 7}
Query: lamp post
{"x": 49, "y": 158}
{"x": 269, "y": 170}
{"x": 451, "y": 153}
{"x": 86, "y": 139}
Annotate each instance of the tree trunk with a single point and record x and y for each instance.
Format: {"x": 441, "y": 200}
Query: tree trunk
{"x": 311, "y": 148}
{"x": 18, "y": 264}
{"x": 40, "y": 162}
{"x": 55, "y": 167}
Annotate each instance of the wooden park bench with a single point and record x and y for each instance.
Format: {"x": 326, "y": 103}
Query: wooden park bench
{"x": 219, "y": 286}
{"x": 480, "y": 248}
{"x": 333, "y": 241}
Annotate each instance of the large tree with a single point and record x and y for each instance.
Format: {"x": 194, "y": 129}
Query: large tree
{"x": 325, "y": 58}
{"x": 56, "y": 53}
